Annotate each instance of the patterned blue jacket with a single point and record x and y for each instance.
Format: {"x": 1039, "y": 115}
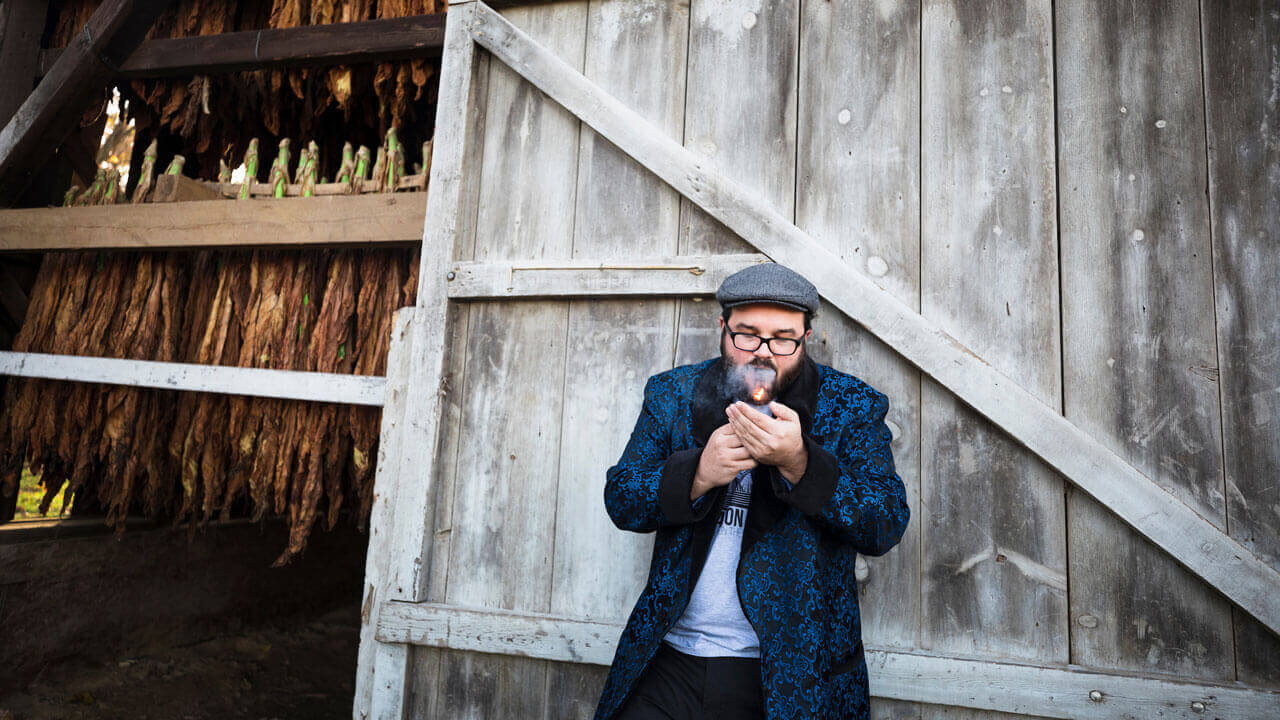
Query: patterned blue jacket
{"x": 796, "y": 574}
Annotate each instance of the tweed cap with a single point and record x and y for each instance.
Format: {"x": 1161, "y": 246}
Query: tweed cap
{"x": 768, "y": 283}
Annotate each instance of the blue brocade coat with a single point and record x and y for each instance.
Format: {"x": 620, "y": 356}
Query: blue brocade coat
{"x": 796, "y": 574}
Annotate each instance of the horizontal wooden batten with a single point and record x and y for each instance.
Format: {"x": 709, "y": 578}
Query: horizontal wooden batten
{"x": 257, "y": 382}
{"x": 674, "y": 276}
{"x": 1223, "y": 562}
{"x": 351, "y": 43}
{"x": 345, "y": 219}
{"x": 1060, "y": 692}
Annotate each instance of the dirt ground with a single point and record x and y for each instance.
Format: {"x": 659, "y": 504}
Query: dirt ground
{"x": 302, "y": 667}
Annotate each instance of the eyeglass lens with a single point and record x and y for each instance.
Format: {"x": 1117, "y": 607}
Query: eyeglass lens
{"x": 778, "y": 346}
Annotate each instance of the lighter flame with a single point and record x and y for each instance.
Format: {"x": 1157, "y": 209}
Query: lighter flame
{"x": 758, "y": 395}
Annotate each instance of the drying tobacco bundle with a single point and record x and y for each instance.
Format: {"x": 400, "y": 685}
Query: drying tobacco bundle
{"x": 186, "y": 456}
{"x": 215, "y": 112}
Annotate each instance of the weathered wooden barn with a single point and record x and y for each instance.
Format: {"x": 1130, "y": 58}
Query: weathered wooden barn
{"x": 1048, "y": 231}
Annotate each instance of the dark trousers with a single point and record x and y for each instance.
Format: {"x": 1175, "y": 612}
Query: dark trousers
{"x": 676, "y": 686}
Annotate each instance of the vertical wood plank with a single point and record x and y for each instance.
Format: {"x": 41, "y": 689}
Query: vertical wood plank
{"x": 372, "y": 655}
{"x": 425, "y": 681}
{"x": 740, "y": 114}
{"x": 636, "y": 50}
{"x": 858, "y": 184}
{"x": 994, "y": 560}
{"x": 1243, "y": 119}
{"x": 1138, "y": 324}
{"x": 503, "y": 509}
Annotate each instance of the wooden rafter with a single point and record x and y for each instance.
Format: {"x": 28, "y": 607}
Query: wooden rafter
{"x": 1171, "y": 524}
{"x": 20, "y": 26}
{"x": 52, "y": 110}
{"x": 367, "y": 41}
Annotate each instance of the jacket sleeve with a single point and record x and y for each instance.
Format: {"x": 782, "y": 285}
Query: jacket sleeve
{"x": 650, "y": 485}
{"x": 854, "y": 492}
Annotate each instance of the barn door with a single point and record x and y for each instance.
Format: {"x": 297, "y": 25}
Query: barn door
{"x": 495, "y": 583}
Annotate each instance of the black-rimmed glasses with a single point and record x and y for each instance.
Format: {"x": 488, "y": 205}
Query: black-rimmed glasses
{"x": 750, "y": 343}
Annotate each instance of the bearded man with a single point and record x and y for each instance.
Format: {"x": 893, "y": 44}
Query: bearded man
{"x": 764, "y": 474}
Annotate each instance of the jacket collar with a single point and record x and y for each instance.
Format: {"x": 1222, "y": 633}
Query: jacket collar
{"x": 710, "y": 398}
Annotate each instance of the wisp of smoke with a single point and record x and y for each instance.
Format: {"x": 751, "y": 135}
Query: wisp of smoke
{"x": 751, "y": 383}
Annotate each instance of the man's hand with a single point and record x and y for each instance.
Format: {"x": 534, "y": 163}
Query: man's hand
{"x": 722, "y": 459}
{"x": 771, "y": 440}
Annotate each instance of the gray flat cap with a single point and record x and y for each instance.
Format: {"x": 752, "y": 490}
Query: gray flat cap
{"x": 768, "y": 283}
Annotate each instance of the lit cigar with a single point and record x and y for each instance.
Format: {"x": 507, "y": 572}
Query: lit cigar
{"x": 760, "y": 400}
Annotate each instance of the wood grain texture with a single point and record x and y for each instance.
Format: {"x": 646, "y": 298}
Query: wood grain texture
{"x": 1095, "y": 468}
{"x": 970, "y": 686}
{"x": 1243, "y": 119}
{"x": 740, "y": 117}
{"x": 503, "y": 511}
{"x": 257, "y": 382}
{"x": 1138, "y": 324}
{"x": 994, "y": 546}
{"x": 637, "y": 50}
{"x": 21, "y": 24}
{"x": 618, "y": 276}
{"x": 387, "y": 218}
{"x": 857, "y": 182}
{"x": 380, "y": 568}
{"x": 368, "y": 41}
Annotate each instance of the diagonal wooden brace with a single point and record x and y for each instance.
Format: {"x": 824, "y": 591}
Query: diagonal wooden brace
{"x": 1192, "y": 540}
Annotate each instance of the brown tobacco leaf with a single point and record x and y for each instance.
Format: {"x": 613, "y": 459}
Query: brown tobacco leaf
{"x": 174, "y": 453}
{"x": 326, "y": 353}
{"x": 18, "y": 393}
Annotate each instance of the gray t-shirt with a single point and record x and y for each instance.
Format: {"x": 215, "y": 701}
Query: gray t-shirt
{"x": 713, "y": 624}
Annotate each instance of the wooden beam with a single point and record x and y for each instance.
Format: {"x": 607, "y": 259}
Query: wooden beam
{"x": 258, "y": 382}
{"x": 417, "y": 36}
{"x": 1170, "y": 523}
{"x": 1056, "y": 691}
{"x": 21, "y": 23}
{"x": 671, "y": 276}
{"x": 343, "y": 219}
{"x": 52, "y": 110}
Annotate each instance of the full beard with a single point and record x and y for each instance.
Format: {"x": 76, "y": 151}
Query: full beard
{"x": 758, "y": 372}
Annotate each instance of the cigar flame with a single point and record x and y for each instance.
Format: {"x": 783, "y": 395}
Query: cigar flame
{"x": 758, "y": 395}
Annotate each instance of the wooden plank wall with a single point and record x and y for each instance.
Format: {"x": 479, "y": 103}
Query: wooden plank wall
{"x": 933, "y": 145}
{"x": 859, "y": 117}
{"x": 740, "y": 113}
{"x": 1241, "y": 87}
{"x": 506, "y": 464}
{"x": 637, "y": 50}
{"x": 994, "y": 544}
{"x": 1138, "y": 325}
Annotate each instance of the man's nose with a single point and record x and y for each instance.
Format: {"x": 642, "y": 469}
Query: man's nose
{"x": 763, "y": 351}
